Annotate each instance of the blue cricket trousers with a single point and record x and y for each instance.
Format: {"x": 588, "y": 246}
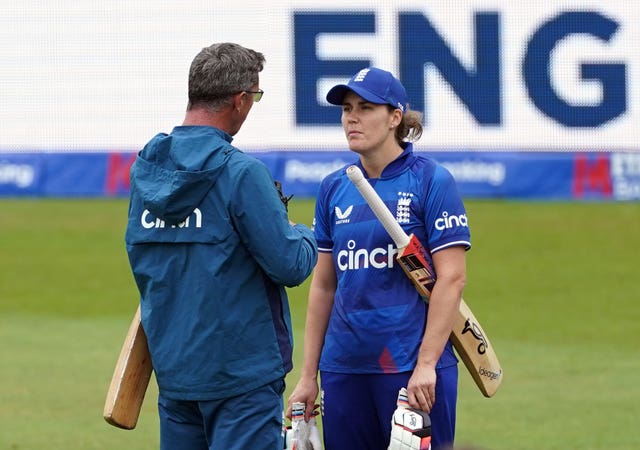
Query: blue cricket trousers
{"x": 357, "y": 409}
{"x": 248, "y": 421}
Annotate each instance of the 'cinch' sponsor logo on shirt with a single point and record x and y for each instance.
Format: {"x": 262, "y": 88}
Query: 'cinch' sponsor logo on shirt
{"x": 148, "y": 221}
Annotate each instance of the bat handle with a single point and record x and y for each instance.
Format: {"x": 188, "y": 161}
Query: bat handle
{"x": 378, "y": 207}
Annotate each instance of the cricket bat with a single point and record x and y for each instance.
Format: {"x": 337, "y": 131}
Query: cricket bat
{"x": 130, "y": 379}
{"x": 468, "y": 337}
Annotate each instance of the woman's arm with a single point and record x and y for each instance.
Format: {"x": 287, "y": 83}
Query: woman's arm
{"x": 450, "y": 267}
{"x": 321, "y": 293}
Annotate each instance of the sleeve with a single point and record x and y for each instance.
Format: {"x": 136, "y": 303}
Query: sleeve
{"x": 286, "y": 253}
{"x": 445, "y": 214}
{"x": 321, "y": 219}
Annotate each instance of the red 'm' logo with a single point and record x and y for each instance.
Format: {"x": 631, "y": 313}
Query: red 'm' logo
{"x": 118, "y": 166}
{"x": 591, "y": 176}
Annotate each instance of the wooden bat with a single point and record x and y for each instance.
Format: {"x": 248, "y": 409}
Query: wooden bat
{"x": 130, "y": 379}
{"x": 468, "y": 337}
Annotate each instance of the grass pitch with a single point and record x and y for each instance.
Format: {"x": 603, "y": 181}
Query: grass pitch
{"x": 552, "y": 283}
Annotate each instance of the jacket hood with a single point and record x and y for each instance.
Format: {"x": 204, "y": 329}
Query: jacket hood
{"x": 174, "y": 172}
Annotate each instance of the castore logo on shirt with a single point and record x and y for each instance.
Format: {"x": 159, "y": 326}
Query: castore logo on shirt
{"x": 343, "y": 217}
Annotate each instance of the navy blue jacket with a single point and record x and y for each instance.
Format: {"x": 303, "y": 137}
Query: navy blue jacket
{"x": 211, "y": 251}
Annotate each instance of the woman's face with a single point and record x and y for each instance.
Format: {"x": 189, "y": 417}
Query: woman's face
{"x": 368, "y": 126}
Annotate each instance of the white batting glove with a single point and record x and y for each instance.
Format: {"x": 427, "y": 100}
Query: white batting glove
{"x": 302, "y": 435}
{"x": 410, "y": 428}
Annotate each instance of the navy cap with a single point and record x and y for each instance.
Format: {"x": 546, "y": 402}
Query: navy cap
{"x": 375, "y": 86}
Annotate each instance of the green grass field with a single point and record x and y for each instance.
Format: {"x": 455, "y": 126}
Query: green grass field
{"x": 554, "y": 285}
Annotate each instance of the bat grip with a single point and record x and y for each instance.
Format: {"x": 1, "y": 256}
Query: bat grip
{"x": 378, "y": 207}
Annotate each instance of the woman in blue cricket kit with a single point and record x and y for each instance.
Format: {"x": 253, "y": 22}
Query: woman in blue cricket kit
{"x": 368, "y": 332}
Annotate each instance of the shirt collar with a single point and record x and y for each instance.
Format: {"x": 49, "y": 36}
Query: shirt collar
{"x": 399, "y": 164}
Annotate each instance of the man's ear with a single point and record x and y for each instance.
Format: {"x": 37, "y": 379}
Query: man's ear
{"x": 239, "y": 99}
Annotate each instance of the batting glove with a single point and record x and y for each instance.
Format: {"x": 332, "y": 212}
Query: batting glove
{"x": 302, "y": 435}
{"x": 410, "y": 428}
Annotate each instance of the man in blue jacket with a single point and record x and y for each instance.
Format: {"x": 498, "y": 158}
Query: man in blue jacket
{"x": 212, "y": 250}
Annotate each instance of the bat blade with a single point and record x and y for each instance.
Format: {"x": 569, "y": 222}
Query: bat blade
{"x": 130, "y": 379}
{"x": 478, "y": 356}
{"x": 468, "y": 338}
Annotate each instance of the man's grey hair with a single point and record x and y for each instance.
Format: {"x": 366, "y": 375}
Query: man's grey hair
{"x": 221, "y": 70}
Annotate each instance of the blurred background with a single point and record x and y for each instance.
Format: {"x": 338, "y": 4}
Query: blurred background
{"x": 520, "y": 99}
